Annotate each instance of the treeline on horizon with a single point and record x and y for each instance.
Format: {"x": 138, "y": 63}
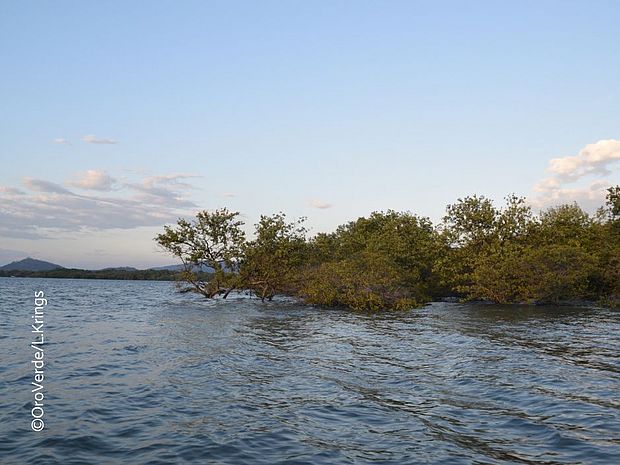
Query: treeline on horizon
{"x": 398, "y": 260}
{"x": 111, "y": 273}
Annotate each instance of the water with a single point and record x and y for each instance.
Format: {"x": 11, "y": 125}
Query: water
{"x": 137, "y": 374}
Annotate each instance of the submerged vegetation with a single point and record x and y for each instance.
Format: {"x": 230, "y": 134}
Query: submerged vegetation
{"x": 396, "y": 260}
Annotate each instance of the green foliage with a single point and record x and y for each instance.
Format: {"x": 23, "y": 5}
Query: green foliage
{"x": 565, "y": 224}
{"x": 384, "y": 261}
{"x": 544, "y": 274}
{"x": 370, "y": 282}
{"x": 395, "y": 260}
{"x": 273, "y": 259}
{"x": 470, "y": 222}
{"x": 613, "y": 202}
{"x": 213, "y": 240}
{"x": 482, "y": 243}
{"x": 554, "y": 257}
{"x": 607, "y": 242}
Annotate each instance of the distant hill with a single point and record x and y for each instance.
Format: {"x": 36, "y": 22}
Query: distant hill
{"x": 30, "y": 264}
{"x": 33, "y": 268}
{"x": 206, "y": 269}
{"x": 120, "y": 268}
{"x": 168, "y": 268}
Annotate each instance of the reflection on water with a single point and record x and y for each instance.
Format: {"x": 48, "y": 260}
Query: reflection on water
{"x": 138, "y": 374}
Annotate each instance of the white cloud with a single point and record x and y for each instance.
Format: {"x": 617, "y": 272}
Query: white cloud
{"x": 163, "y": 189}
{"x": 320, "y": 204}
{"x": 94, "y": 180}
{"x": 546, "y": 185}
{"x": 48, "y": 209}
{"x": 171, "y": 179}
{"x": 594, "y": 161}
{"x": 11, "y": 191}
{"x": 41, "y": 185}
{"x": 62, "y": 140}
{"x": 228, "y": 194}
{"x": 589, "y": 197}
{"x": 91, "y": 139}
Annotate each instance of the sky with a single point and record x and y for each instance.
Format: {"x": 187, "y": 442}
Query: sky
{"x": 119, "y": 117}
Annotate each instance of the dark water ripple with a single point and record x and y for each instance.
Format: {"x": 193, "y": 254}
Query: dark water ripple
{"x": 137, "y": 374}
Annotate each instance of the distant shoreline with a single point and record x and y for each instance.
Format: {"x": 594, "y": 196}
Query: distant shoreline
{"x": 112, "y": 274}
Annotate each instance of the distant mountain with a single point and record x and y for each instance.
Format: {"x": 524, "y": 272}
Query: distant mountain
{"x": 206, "y": 269}
{"x": 168, "y": 267}
{"x": 120, "y": 268}
{"x": 30, "y": 264}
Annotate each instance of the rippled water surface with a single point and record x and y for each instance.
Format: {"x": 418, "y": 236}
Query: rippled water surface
{"x": 138, "y": 374}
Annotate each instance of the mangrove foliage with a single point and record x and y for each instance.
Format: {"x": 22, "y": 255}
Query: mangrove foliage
{"x": 397, "y": 260}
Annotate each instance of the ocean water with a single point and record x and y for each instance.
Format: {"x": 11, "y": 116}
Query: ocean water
{"x": 136, "y": 373}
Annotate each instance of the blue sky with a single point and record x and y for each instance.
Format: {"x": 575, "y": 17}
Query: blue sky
{"x": 119, "y": 116}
